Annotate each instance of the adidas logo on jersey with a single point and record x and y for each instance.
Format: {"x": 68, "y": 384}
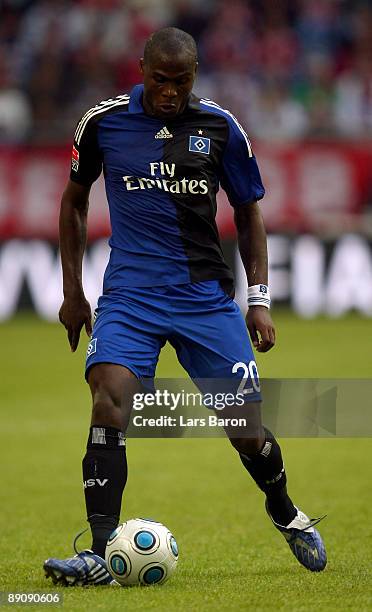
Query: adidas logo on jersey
{"x": 164, "y": 133}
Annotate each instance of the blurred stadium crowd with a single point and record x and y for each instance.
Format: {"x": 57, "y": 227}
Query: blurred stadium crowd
{"x": 290, "y": 69}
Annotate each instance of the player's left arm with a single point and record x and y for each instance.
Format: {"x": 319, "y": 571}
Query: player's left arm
{"x": 253, "y": 251}
{"x": 241, "y": 179}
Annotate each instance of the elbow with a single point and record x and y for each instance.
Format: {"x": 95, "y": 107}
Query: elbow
{"x": 73, "y": 206}
{"x": 75, "y": 198}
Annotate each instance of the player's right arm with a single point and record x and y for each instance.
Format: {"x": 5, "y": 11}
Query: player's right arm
{"x": 86, "y": 167}
{"x": 75, "y": 310}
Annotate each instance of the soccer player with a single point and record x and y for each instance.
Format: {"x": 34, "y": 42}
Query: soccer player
{"x": 164, "y": 152}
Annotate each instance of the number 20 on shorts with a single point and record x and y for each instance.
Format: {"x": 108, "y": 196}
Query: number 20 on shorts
{"x": 250, "y": 377}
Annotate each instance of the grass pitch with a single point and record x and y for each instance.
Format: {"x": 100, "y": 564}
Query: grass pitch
{"x": 231, "y": 558}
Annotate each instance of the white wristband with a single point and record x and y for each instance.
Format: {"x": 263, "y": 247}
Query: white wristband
{"x": 259, "y": 295}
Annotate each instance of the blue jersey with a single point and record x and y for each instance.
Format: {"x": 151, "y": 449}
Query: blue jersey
{"x": 162, "y": 177}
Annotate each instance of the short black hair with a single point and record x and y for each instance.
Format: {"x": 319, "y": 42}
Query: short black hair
{"x": 172, "y": 42}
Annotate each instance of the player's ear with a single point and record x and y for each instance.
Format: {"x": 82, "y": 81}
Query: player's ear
{"x": 141, "y": 65}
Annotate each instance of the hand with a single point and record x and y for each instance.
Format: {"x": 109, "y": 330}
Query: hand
{"x": 259, "y": 321}
{"x": 74, "y": 313}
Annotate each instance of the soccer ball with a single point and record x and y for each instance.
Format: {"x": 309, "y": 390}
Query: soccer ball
{"x": 141, "y": 551}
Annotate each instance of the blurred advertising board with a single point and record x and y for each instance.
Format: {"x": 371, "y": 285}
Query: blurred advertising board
{"x": 311, "y": 275}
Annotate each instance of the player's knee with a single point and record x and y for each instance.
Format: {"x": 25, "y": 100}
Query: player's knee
{"x": 248, "y": 446}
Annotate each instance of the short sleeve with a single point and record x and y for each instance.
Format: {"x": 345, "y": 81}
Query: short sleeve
{"x": 86, "y": 157}
{"x": 240, "y": 174}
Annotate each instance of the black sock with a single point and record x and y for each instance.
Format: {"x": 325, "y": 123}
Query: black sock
{"x": 105, "y": 476}
{"x": 267, "y": 470}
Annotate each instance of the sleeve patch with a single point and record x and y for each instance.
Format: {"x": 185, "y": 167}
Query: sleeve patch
{"x": 75, "y": 159}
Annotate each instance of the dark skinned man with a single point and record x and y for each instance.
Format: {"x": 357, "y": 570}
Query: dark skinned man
{"x": 165, "y": 153}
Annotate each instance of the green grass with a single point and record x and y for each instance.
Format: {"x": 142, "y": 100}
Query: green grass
{"x": 230, "y": 556}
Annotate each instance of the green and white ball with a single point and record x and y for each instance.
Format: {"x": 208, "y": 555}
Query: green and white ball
{"x": 141, "y": 551}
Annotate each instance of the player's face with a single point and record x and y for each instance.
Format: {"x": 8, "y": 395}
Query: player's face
{"x": 167, "y": 83}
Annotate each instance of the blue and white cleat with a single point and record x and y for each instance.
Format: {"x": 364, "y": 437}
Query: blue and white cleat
{"x": 304, "y": 541}
{"x": 84, "y": 569}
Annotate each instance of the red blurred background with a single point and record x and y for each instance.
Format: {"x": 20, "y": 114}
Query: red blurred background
{"x": 298, "y": 75}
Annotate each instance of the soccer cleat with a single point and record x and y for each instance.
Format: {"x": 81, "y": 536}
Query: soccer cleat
{"x": 304, "y": 541}
{"x": 83, "y": 569}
